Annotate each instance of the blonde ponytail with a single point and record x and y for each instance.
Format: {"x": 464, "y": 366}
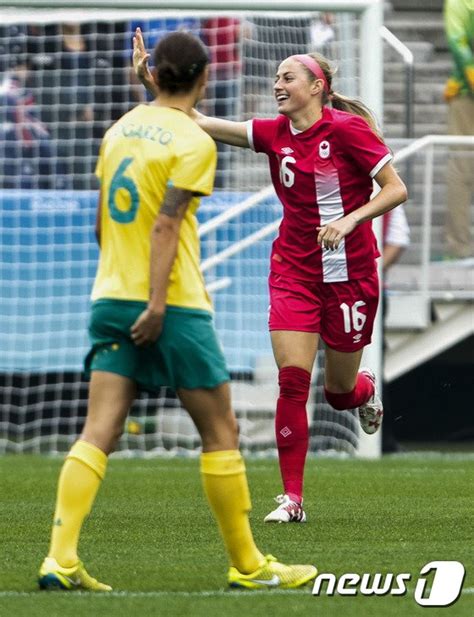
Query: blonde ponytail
{"x": 340, "y": 102}
{"x": 356, "y": 107}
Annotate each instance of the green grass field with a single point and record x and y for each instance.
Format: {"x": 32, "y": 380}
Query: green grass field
{"x": 151, "y": 536}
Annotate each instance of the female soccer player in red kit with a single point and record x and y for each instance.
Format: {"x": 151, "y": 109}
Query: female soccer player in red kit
{"x": 324, "y": 152}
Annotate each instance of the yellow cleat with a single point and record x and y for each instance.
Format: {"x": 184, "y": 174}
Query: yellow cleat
{"x": 53, "y": 577}
{"x": 273, "y": 575}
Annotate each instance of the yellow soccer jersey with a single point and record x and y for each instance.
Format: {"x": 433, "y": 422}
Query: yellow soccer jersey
{"x": 145, "y": 151}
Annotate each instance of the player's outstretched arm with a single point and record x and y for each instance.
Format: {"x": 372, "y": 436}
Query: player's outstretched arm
{"x": 226, "y": 131}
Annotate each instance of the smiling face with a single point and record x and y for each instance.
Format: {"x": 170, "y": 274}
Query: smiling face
{"x": 294, "y": 90}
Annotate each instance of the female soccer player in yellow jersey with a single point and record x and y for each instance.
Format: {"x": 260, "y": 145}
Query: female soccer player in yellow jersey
{"x": 151, "y": 321}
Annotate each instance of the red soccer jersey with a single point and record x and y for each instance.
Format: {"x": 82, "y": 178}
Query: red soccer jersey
{"x": 320, "y": 175}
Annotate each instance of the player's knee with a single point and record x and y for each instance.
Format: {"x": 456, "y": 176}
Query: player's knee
{"x": 337, "y": 400}
{"x": 294, "y": 383}
{"x": 104, "y": 437}
{"x": 116, "y": 433}
{"x": 230, "y": 431}
{"x": 222, "y": 434}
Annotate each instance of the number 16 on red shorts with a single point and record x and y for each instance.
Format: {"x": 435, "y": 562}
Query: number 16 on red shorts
{"x": 343, "y": 313}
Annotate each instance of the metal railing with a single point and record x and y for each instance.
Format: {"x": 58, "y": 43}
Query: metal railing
{"x": 408, "y": 61}
{"x": 428, "y": 144}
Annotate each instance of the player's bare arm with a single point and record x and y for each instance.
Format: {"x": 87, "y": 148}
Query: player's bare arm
{"x": 393, "y": 192}
{"x": 164, "y": 245}
{"x": 225, "y": 131}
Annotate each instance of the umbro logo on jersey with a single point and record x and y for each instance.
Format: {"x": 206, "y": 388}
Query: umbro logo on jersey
{"x": 324, "y": 150}
{"x": 287, "y": 151}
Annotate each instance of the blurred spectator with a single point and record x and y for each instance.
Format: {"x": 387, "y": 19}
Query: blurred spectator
{"x": 154, "y": 29}
{"x": 113, "y": 92}
{"x": 63, "y": 79}
{"x": 321, "y": 32}
{"x": 459, "y": 93}
{"x": 222, "y": 37}
{"x": 396, "y": 237}
{"x": 28, "y": 158}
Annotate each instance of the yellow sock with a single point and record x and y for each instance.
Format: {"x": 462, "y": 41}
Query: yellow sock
{"x": 79, "y": 482}
{"x": 226, "y": 488}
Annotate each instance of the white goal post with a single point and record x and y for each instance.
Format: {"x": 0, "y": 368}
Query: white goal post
{"x": 49, "y": 257}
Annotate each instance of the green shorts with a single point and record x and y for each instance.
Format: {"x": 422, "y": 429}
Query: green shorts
{"x": 186, "y": 355}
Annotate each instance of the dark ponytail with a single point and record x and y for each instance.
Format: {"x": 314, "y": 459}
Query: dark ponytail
{"x": 180, "y": 58}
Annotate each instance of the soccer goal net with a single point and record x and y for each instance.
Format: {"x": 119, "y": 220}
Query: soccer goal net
{"x": 65, "y": 77}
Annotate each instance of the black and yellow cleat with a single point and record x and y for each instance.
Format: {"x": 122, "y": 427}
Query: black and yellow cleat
{"x": 52, "y": 577}
{"x": 273, "y": 575}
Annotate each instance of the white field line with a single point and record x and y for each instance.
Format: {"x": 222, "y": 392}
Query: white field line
{"x": 156, "y": 594}
{"x": 183, "y": 594}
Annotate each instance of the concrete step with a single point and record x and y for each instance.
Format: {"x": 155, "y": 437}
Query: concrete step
{"x": 395, "y": 130}
{"x": 414, "y": 211}
{"x": 437, "y": 337}
{"x": 427, "y": 113}
{"x": 416, "y": 233}
{"x": 428, "y": 72}
{"x": 419, "y": 29}
{"x": 444, "y": 55}
{"x": 417, "y": 193}
{"x": 422, "y": 18}
{"x": 413, "y": 253}
{"x": 433, "y": 6}
{"x": 412, "y": 257}
{"x": 422, "y": 51}
{"x": 424, "y": 93}
{"x": 443, "y": 275}
{"x": 415, "y": 215}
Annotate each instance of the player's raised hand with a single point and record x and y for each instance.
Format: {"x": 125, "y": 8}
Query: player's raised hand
{"x": 140, "y": 61}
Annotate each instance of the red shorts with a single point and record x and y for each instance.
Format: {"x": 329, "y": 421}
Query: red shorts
{"x": 342, "y": 313}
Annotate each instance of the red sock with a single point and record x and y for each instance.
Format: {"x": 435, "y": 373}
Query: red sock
{"x": 363, "y": 390}
{"x": 291, "y": 428}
